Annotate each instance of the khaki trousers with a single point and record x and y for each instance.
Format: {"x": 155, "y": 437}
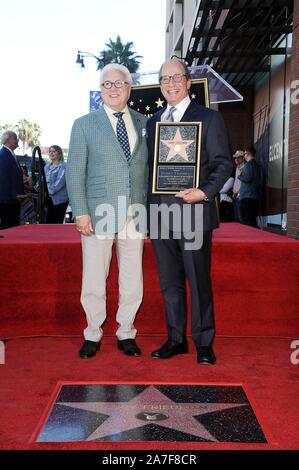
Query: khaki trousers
{"x": 97, "y": 252}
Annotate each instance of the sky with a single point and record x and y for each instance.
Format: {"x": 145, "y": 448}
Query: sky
{"x": 39, "y": 40}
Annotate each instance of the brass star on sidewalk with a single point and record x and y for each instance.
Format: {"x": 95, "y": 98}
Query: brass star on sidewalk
{"x": 148, "y": 407}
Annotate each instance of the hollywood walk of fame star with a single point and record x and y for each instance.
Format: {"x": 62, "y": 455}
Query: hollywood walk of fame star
{"x": 159, "y": 103}
{"x": 123, "y": 416}
{"x": 177, "y": 146}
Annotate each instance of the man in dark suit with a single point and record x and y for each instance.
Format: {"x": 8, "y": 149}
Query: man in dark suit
{"x": 175, "y": 261}
{"x": 11, "y": 181}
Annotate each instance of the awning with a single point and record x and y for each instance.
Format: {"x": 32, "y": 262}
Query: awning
{"x": 237, "y": 37}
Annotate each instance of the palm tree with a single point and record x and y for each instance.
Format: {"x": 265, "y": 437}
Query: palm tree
{"x": 6, "y": 127}
{"x": 36, "y": 134}
{"x": 119, "y": 53}
{"x": 28, "y": 133}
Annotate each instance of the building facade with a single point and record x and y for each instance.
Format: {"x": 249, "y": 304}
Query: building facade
{"x": 253, "y": 46}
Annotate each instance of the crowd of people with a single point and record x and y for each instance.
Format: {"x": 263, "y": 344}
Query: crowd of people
{"x": 17, "y": 187}
{"x": 111, "y": 159}
{"x": 241, "y": 195}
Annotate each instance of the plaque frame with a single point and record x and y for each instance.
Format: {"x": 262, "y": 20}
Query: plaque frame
{"x": 156, "y": 187}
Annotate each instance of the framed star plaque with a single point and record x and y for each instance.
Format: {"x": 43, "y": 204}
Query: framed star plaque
{"x": 177, "y": 156}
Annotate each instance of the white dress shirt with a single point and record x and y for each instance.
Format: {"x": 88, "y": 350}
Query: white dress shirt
{"x": 128, "y": 122}
{"x": 180, "y": 109}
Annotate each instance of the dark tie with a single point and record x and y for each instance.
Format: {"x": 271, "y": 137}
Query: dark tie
{"x": 122, "y": 135}
{"x": 169, "y": 116}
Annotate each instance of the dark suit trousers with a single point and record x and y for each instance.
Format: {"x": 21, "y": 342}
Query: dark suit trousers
{"x": 56, "y": 214}
{"x": 175, "y": 264}
{"x": 9, "y": 215}
{"x": 249, "y": 211}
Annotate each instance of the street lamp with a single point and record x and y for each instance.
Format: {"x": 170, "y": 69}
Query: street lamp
{"x": 81, "y": 55}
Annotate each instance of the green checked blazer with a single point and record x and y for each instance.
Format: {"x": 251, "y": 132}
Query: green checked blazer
{"x": 98, "y": 173}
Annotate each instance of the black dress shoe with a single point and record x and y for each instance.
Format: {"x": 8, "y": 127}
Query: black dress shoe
{"x": 206, "y": 356}
{"x": 170, "y": 349}
{"x": 89, "y": 349}
{"x": 129, "y": 347}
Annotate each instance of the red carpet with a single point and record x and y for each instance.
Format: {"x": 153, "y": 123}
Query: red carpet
{"x": 255, "y": 276}
{"x": 34, "y": 366}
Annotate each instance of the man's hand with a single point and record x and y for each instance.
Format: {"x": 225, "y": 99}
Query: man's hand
{"x": 192, "y": 195}
{"x": 83, "y": 224}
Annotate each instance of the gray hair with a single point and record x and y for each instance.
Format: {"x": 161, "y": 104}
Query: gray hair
{"x": 121, "y": 68}
{"x": 181, "y": 62}
{"x": 6, "y": 136}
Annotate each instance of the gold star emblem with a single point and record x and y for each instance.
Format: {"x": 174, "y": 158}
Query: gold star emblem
{"x": 159, "y": 103}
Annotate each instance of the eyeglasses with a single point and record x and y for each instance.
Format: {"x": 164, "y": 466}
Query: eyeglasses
{"x": 118, "y": 84}
{"x": 177, "y": 78}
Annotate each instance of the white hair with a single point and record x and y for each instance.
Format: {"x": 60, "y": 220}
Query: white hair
{"x": 6, "y": 136}
{"x": 121, "y": 68}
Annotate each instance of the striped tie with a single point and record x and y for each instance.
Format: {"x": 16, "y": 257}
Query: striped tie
{"x": 122, "y": 135}
{"x": 169, "y": 116}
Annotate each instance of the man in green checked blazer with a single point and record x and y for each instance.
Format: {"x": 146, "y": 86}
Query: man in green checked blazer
{"x": 107, "y": 174}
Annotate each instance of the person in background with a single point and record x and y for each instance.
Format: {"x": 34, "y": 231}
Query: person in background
{"x": 226, "y": 207}
{"x": 239, "y": 162}
{"x": 27, "y": 213}
{"x": 11, "y": 181}
{"x": 55, "y": 177}
{"x": 27, "y": 180}
{"x": 250, "y": 189}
